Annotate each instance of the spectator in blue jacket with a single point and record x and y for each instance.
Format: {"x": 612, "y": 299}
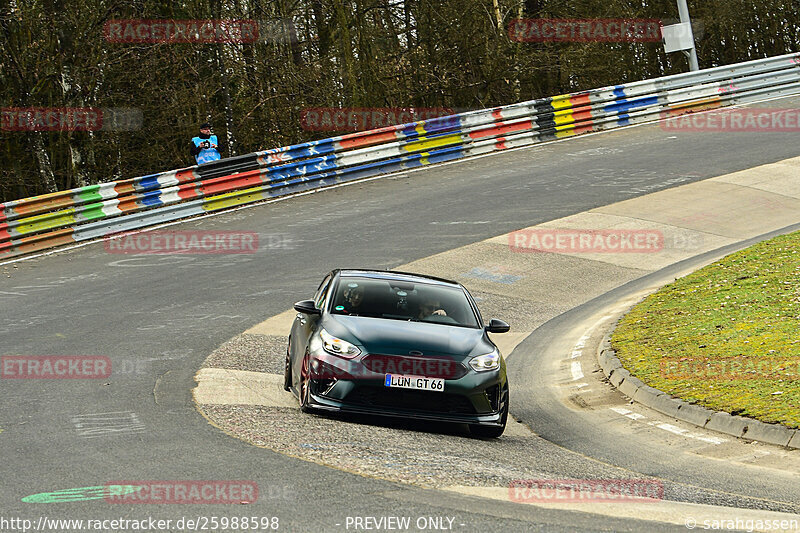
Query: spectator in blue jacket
{"x": 204, "y": 146}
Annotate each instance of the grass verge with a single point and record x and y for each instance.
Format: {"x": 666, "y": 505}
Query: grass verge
{"x": 727, "y": 336}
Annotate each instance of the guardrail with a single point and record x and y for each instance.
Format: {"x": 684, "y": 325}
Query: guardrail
{"x": 95, "y": 211}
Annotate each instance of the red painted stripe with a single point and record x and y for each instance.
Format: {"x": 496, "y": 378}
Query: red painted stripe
{"x": 3, "y": 212}
{"x": 187, "y": 175}
{"x": 124, "y": 188}
{"x": 44, "y": 240}
{"x": 128, "y": 204}
{"x": 579, "y": 100}
{"x": 581, "y": 116}
{"x": 228, "y": 183}
{"x": 187, "y": 191}
{"x": 4, "y": 234}
{"x": 378, "y": 131}
{"x": 497, "y": 113}
{"x": 501, "y": 143}
{"x": 501, "y": 129}
{"x": 43, "y": 203}
{"x": 366, "y": 140}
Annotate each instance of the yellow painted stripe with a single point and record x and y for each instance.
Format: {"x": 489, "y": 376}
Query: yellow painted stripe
{"x": 563, "y": 118}
{"x": 36, "y": 223}
{"x": 424, "y": 158}
{"x": 232, "y": 199}
{"x": 565, "y": 131}
{"x": 698, "y": 102}
{"x": 426, "y": 144}
{"x": 561, "y": 101}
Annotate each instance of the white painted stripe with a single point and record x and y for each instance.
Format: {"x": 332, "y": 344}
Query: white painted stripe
{"x": 110, "y": 208}
{"x": 667, "y": 427}
{"x": 673, "y": 429}
{"x": 581, "y": 385}
{"x": 577, "y": 371}
{"x": 169, "y": 195}
{"x": 712, "y": 440}
{"x": 168, "y": 178}
{"x": 575, "y": 354}
{"x": 107, "y": 191}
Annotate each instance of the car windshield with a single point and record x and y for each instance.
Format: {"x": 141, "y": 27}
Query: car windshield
{"x": 403, "y": 300}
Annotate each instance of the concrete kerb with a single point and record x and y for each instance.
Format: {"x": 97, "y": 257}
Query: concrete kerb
{"x": 662, "y": 402}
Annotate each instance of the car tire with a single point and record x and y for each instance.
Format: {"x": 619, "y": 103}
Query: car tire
{"x": 492, "y": 432}
{"x": 305, "y": 385}
{"x": 287, "y": 370}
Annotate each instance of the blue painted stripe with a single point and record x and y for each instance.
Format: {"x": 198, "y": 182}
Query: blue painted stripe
{"x": 622, "y": 106}
{"x": 151, "y": 198}
{"x": 148, "y": 183}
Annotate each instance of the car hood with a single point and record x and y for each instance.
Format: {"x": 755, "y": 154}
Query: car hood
{"x": 399, "y": 337}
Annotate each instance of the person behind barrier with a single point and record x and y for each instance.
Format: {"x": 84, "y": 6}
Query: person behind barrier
{"x": 204, "y": 146}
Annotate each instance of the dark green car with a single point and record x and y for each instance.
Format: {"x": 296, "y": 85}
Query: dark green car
{"x": 397, "y": 344}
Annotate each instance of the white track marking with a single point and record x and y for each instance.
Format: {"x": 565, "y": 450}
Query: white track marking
{"x": 575, "y": 367}
{"x": 675, "y": 430}
{"x": 628, "y": 413}
{"x": 577, "y": 371}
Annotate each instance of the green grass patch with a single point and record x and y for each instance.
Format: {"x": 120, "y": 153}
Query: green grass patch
{"x": 727, "y": 336}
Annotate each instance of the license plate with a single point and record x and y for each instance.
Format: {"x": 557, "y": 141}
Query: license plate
{"x": 414, "y": 382}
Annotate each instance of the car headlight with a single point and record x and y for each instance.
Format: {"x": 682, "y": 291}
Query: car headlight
{"x": 489, "y": 361}
{"x": 337, "y": 346}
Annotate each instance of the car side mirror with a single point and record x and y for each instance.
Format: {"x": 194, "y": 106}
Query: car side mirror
{"x": 497, "y": 326}
{"x": 307, "y": 307}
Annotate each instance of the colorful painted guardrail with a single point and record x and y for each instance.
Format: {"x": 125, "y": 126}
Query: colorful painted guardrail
{"x": 96, "y": 211}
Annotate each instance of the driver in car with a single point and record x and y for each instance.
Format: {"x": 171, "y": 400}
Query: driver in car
{"x": 353, "y": 298}
{"x": 429, "y": 307}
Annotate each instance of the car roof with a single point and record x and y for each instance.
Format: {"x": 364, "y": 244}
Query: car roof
{"x": 397, "y": 276}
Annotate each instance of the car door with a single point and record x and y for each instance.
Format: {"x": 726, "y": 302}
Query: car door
{"x": 303, "y": 327}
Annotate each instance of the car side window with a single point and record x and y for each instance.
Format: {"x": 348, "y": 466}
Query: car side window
{"x": 322, "y": 291}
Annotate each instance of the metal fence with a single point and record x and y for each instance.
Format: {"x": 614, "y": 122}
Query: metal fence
{"x": 96, "y": 211}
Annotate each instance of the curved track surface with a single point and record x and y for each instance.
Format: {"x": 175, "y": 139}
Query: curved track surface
{"x": 158, "y": 317}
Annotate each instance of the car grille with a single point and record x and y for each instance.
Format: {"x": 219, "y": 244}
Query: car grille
{"x": 434, "y": 402}
{"x": 429, "y": 367}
